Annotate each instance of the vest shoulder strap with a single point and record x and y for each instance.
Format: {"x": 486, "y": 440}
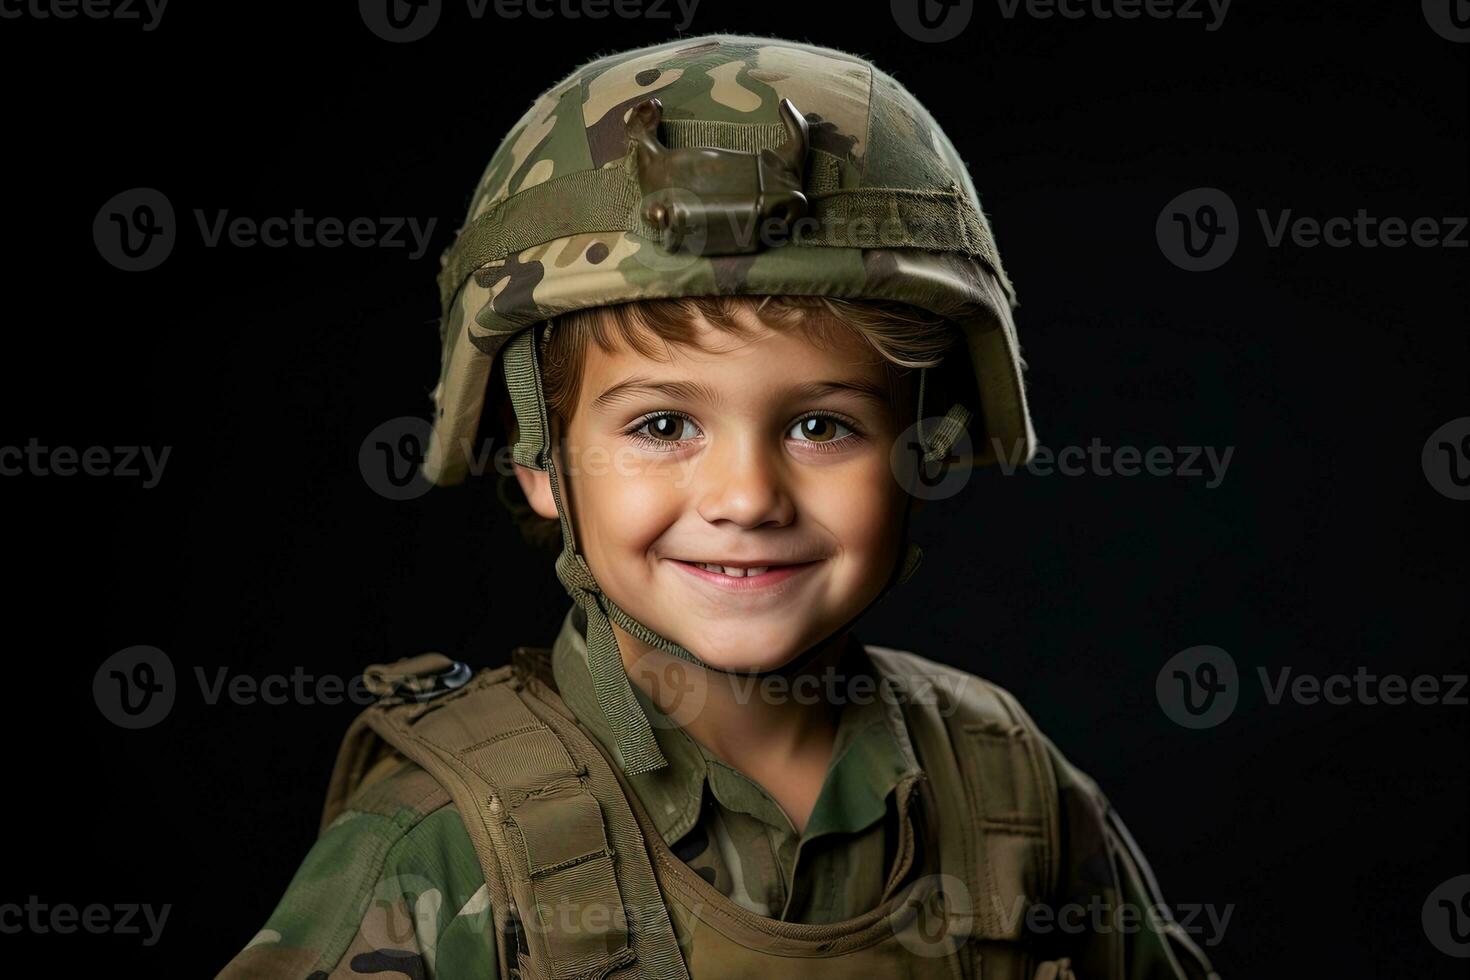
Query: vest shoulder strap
{"x": 993, "y": 784}
{"x": 570, "y": 882}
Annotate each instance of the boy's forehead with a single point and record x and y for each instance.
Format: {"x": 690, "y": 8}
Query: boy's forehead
{"x": 792, "y": 352}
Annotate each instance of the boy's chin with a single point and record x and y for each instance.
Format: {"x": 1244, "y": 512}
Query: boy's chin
{"x": 744, "y": 647}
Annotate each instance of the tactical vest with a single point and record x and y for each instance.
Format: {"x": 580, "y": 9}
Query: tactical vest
{"x": 583, "y": 885}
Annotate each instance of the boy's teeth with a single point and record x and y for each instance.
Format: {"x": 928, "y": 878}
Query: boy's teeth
{"x": 734, "y": 572}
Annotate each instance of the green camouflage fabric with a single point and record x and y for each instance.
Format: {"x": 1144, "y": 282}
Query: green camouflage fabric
{"x": 393, "y": 887}
{"x": 895, "y": 209}
{"x": 394, "y": 883}
{"x": 736, "y": 837}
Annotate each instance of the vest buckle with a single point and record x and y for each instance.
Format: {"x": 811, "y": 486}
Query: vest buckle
{"x": 420, "y": 678}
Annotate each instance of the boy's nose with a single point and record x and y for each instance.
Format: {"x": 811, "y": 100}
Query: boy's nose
{"x": 739, "y": 482}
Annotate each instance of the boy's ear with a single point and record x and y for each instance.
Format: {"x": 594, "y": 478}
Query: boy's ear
{"x": 536, "y": 485}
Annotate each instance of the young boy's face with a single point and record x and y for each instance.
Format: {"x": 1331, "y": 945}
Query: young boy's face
{"x": 769, "y": 453}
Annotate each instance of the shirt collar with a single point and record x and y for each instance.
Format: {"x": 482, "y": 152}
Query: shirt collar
{"x": 872, "y": 754}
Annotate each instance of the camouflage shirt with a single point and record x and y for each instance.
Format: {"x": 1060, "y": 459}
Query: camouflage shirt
{"x": 393, "y": 885}
{"x": 389, "y": 882}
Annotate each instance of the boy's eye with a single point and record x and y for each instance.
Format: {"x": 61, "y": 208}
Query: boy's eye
{"x": 819, "y": 428}
{"x": 667, "y": 428}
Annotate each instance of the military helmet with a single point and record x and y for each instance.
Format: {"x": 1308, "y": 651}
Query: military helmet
{"x": 714, "y": 165}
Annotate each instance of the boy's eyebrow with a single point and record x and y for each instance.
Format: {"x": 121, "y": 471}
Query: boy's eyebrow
{"x": 871, "y": 390}
{"x": 687, "y": 390}
{"x": 694, "y": 391}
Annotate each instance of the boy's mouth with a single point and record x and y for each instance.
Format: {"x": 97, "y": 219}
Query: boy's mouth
{"x": 743, "y": 575}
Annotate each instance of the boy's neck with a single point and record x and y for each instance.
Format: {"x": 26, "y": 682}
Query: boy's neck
{"x": 749, "y": 723}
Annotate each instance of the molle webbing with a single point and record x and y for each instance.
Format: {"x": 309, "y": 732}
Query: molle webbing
{"x": 607, "y": 199}
{"x": 549, "y": 823}
{"x": 997, "y": 800}
{"x": 554, "y": 830}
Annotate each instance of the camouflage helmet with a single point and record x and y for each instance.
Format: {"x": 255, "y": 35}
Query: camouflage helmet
{"x": 714, "y": 165}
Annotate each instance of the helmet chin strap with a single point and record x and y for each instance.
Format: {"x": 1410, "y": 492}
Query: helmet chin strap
{"x": 537, "y": 448}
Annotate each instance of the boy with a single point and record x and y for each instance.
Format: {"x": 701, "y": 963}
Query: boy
{"x": 717, "y": 279}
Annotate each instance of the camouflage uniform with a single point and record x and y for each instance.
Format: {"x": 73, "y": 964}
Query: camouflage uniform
{"x": 403, "y": 848}
{"x": 394, "y": 886}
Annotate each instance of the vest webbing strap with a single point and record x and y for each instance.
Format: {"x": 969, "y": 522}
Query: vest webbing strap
{"x": 993, "y": 784}
{"x": 556, "y": 836}
{"x": 550, "y": 826}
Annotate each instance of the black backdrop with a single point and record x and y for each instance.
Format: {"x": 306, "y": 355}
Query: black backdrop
{"x": 1322, "y": 828}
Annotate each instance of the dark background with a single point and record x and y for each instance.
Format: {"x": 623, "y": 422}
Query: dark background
{"x": 263, "y": 550}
